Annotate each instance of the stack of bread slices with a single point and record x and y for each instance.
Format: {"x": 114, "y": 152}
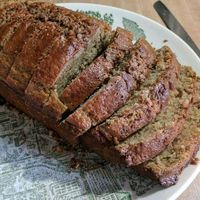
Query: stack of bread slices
{"x": 128, "y": 102}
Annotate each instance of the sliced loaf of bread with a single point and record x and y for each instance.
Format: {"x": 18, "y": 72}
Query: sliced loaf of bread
{"x": 62, "y": 44}
{"x": 35, "y": 49}
{"x": 91, "y": 36}
{"x": 144, "y": 104}
{"x": 112, "y": 95}
{"x": 167, "y": 166}
{"x": 98, "y": 71}
{"x": 153, "y": 138}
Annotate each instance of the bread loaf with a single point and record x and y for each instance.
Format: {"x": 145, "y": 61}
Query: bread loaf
{"x": 126, "y": 101}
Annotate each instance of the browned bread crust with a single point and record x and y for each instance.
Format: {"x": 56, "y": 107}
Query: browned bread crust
{"x": 99, "y": 70}
{"x": 114, "y": 94}
{"x": 65, "y": 17}
{"x": 27, "y": 107}
{"x": 41, "y": 85}
{"x": 14, "y": 11}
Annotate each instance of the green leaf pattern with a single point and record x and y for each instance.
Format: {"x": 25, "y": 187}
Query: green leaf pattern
{"x": 106, "y": 17}
{"x": 133, "y": 27}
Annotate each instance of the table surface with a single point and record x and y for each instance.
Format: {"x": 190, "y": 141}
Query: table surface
{"x": 186, "y": 11}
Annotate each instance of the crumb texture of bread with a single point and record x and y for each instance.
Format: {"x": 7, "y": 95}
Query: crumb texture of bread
{"x": 154, "y": 138}
{"x": 167, "y": 166}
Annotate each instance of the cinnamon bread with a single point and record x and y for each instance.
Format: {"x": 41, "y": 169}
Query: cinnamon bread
{"x": 65, "y": 47}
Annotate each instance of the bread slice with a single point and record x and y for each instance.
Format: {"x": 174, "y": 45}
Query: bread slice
{"x": 144, "y": 104}
{"x": 112, "y": 95}
{"x": 10, "y": 18}
{"x": 34, "y": 49}
{"x": 27, "y": 107}
{"x": 13, "y": 47}
{"x": 67, "y": 53}
{"x": 6, "y": 30}
{"x": 12, "y": 37}
{"x": 153, "y": 138}
{"x": 167, "y": 166}
{"x": 98, "y": 71}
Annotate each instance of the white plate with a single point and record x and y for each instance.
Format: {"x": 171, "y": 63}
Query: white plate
{"x": 156, "y": 34}
{"x": 32, "y": 165}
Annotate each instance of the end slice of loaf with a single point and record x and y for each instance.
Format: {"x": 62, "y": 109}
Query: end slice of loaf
{"x": 153, "y": 138}
{"x": 144, "y": 104}
{"x": 98, "y": 71}
{"x": 111, "y": 96}
{"x": 167, "y": 166}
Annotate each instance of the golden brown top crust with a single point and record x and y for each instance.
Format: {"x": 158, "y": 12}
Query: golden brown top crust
{"x": 15, "y": 11}
{"x": 63, "y": 15}
{"x": 15, "y": 40}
